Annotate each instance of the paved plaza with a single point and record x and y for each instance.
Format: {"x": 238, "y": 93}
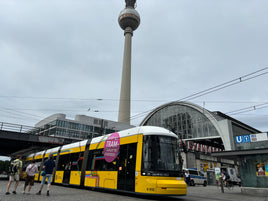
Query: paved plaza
{"x": 61, "y": 193}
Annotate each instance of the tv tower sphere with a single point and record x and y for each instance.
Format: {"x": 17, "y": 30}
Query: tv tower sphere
{"x": 129, "y": 17}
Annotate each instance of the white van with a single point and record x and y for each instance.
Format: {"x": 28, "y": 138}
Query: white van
{"x": 197, "y": 177}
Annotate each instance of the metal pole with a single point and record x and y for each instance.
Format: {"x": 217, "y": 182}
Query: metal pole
{"x": 221, "y": 183}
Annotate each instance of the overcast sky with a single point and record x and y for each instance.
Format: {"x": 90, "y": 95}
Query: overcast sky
{"x": 63, "y": 56}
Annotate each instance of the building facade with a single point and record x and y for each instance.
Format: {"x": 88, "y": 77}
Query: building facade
{"x": 82, "y": 127}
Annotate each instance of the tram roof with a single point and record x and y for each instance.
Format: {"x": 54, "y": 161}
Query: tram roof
{"x": 52, "y": 150}
{"x": 145, "y": 130}
{"x": 30, "y": 155}
{"x": 75, "y": 144}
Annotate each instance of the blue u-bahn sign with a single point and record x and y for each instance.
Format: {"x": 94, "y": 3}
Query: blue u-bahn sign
{"x": 242, "y": 139}
{"x": 251, "y": 138}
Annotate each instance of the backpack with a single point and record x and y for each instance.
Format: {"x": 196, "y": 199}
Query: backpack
{"x": 13, "y": 168}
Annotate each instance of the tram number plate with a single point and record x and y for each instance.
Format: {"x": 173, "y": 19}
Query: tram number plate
{"x": 150, "y": 189}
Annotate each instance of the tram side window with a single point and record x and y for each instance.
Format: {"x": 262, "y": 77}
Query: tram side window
{"x": 63, "y": 162}
{"x": 71, "y": 162}
{"x": 76, "y": 161}
{"x": 97, "y": 162}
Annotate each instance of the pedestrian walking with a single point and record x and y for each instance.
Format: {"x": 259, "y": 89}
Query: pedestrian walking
{"x": 30, "y": 174}
{"x": 48, "y": 169}
{"x": 15, "y": 171}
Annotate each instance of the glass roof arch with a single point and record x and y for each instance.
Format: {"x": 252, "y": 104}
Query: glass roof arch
{"x": 189, "y": 121}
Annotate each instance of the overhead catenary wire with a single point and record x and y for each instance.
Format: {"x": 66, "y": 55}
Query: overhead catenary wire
{"x": 248, "y": 109}
{"x": 11, "y": 113}
{"x": 241, "y": 79}
{"x": 77, "y": 99}
{"x": 226, "y": 84}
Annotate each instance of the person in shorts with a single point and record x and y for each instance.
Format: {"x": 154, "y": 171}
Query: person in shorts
{"x": 30, "y": 174}
{"x": 15, "y": 176}
{"x": 48, "y": 166}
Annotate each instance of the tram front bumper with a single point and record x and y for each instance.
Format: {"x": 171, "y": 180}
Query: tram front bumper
{"x": 171, "y": 187}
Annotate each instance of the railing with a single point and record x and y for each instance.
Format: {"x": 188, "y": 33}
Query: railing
{"x": 36, "y": 131}
{"x": 45, "y": 131}
{"x": 19, "y": 128}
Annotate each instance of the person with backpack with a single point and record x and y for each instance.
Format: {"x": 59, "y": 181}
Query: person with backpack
{"x": 48, "y": 166}
{"x": 15, "y": 171}
{"x": 30, "y": 174}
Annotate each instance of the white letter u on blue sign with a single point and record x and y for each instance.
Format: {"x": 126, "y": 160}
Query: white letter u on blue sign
{"x": 238, "y": 139}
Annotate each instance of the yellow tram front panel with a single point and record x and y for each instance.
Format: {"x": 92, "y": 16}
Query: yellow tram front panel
{"x": 75, "y": 177}
{"x": 160, "y": 185}
{"x": 101, "y": 179}
{"x": 58, "y": 177}
{"x": 139, "y": 153}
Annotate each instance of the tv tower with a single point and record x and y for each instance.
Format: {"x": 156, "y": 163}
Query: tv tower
{"x": 129, "y": 20}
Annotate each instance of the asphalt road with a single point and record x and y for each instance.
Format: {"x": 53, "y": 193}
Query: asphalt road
{"x": 61, "y": 193}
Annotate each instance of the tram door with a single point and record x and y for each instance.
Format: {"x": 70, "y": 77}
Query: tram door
{"x": 67, "y": 172}
{"x": 126, "y": 168}
{"x": 72, "y": 163}
{"x": 66, "y": 177}
{"x": 65, "y": 166}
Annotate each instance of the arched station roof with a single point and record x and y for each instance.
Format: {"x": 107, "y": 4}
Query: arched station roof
{"x": 190, "y": 122}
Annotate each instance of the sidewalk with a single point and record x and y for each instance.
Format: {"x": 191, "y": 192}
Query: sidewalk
{"x": 63, "y": 193}
{"x": 201, "y": 193}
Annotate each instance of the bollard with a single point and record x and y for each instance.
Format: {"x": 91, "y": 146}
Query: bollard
{"x": 221, "y": 183}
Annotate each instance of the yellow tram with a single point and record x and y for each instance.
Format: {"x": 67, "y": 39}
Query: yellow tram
{"x": 142, "y": 160}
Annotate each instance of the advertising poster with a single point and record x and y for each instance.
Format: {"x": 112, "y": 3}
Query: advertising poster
{"x": 262, "y": 169}
{"x": 217, "y": 173}
{"x": 258, "y": 137}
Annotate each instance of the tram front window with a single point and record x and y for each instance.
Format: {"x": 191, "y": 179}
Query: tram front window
{"x": 160, "y": 156}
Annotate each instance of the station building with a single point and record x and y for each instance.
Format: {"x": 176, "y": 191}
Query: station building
{"x": 201, "y": 132}
{"x": 252, "y": 154}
